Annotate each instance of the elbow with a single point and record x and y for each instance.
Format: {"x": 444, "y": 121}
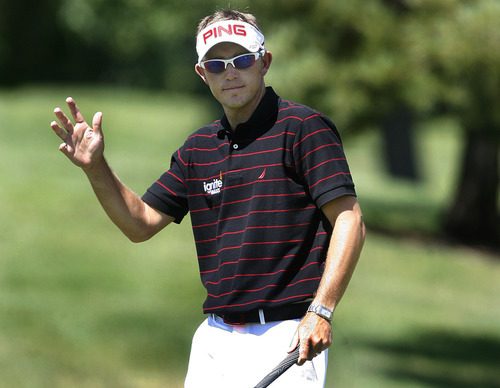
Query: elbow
{"x": 144, "y": 230}
{"x": 362, "y": 230}
{"x": 352, "y": 226}
{"x": 359, "y": 222}
{"x": 358, "y": 226}
{"x": 362, "y": 225}
{"x": 138, "y": 236}
{"x": 137, "y": 239}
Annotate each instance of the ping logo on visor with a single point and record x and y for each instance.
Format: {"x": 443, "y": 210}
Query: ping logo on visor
{"x": 240, "y": 62}
{"x": 233, "y": 31}
{"x": 221, "y": 30}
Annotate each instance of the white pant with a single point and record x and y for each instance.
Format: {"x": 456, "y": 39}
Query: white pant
{"x": 227, "y": 356}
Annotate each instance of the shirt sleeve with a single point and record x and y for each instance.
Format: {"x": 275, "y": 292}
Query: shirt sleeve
{"x": 320, "y": 161}
{"x": 169, "y": 194}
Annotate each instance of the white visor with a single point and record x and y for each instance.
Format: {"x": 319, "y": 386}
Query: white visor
{"x": 233, "y": 31}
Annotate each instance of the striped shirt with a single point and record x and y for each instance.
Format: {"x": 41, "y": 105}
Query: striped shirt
{"x": 254, "y": 198}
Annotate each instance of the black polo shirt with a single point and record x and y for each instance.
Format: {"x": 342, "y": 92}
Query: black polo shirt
{"x": 254, "y": 197}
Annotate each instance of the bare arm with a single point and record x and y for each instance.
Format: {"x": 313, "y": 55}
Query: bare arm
{"x": 315, "y": 333}
{"x": 136, "y": 219}
{"x": 84, "y": 146}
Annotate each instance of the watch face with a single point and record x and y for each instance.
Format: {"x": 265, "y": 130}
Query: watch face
{"x": 321, "y": 311}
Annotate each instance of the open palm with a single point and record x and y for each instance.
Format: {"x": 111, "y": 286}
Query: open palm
{"x": 83, "y": 145}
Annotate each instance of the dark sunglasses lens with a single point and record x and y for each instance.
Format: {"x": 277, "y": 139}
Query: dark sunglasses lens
{"x": 244, "y": 61}
{"x": 214, "y": 66}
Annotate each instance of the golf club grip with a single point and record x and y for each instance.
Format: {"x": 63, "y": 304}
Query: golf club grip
{"x": 281, "y": 368}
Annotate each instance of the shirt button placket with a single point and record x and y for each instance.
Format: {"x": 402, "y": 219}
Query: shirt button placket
{"x": 235, "y": 160}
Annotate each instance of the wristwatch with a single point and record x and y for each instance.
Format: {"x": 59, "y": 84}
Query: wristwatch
{"x": 322, "y": 311}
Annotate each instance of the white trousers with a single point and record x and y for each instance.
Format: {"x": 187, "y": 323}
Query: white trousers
{"x": 227, "y": 356}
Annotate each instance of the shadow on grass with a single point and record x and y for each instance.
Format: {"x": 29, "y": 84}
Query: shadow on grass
{"x": 443, "y": 359}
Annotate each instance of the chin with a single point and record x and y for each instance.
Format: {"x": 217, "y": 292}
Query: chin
{"x": 235, "y": 101}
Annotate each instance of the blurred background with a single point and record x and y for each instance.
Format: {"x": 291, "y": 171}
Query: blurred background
{"x": 412, "y": 85}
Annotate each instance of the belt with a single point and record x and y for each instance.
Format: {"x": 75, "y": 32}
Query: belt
{"x": 282, "y": 313}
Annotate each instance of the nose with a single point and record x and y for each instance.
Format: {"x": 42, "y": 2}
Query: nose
{"x": 231, "y": 71}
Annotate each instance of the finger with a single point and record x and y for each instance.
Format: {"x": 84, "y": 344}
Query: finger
{"x": 63, "y": 119}
{"x": 58, "y": 130}
{"x": 295, "y": 342}
{"x": 96, "y": 123}
{"x": 75, "y": 112}
{"x": 304, "y": 346}
{"x": 303, "y": 353}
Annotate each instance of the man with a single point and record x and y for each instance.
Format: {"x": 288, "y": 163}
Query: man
{"x": 277, "y": 227}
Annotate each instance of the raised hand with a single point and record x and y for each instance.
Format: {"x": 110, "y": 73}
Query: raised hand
{"x": 83, "y": 145}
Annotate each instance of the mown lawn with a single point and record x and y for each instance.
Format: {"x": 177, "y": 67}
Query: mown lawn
{"x": 80, "y": 306}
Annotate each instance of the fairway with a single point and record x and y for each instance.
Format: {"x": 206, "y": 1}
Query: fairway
{"x": 81, "y": 306}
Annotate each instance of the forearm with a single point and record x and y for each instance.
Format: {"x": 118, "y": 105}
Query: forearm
{"x": 124, "y": 207}
{"x": 84, "y": 146}
{"x": 315, "y": 332}
{"x": 343, "y": 253}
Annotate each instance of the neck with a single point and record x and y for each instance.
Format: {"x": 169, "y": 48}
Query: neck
{"x": 236, "y": 116}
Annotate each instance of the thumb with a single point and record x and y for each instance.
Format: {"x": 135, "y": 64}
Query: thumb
{"x": 64, "y": 149}
{"x": 96, "y": 122}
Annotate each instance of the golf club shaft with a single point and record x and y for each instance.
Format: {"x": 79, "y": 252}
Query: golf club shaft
{"x": 281, "y": 368}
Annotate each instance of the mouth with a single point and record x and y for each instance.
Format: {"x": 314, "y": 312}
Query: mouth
{"x": 233, "y": 88}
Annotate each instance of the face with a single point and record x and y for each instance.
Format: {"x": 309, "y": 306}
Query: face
{"x": 238, "y": 90}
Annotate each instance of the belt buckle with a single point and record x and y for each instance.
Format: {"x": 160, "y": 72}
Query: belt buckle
{"x": 241, "y": 322}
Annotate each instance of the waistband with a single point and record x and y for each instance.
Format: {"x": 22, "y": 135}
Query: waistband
{"x": 282, "y": 313}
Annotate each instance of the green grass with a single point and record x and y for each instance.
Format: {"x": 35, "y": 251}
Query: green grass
{"x": 80, "y": 306}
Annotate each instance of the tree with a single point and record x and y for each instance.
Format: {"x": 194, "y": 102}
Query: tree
{"x": 29, "y": 41}
{"x": 466, "y": 52}
{"x": 112, "y": 42}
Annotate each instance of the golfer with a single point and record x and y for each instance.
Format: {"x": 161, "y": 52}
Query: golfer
{"x": 277, "y": 226}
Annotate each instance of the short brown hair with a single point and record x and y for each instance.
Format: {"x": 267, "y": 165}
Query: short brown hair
{"x": 228, "y": 14}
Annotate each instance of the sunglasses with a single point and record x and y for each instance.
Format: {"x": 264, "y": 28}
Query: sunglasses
{"x": 240, "y": 62}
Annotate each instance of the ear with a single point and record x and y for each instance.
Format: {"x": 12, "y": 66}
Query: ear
{"x": 266, "y": 62}
{"x": 201, "y": 72}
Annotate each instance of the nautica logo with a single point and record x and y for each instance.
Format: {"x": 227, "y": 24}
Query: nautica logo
{"x": 213, "y": 187}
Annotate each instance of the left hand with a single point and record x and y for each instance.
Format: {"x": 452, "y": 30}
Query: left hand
{"x": 313, "y": 335}
{"x": 83, "y": 145}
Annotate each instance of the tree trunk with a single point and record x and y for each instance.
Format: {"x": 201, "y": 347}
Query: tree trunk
{"x": 473, "y": 218}
{"x": 398, "y": 144}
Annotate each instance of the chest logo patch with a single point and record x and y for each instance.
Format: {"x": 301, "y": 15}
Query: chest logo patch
{"x": 213, "y": 187}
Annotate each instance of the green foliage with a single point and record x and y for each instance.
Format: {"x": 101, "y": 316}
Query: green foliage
{"x": 358, "y": 60}
{"x": 146, "y": 42}
{"x": 355, "y": 60}
{"x": 465, "y": 49}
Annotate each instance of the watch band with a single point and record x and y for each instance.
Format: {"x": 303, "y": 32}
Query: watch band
{"x": 322, "y": 311}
